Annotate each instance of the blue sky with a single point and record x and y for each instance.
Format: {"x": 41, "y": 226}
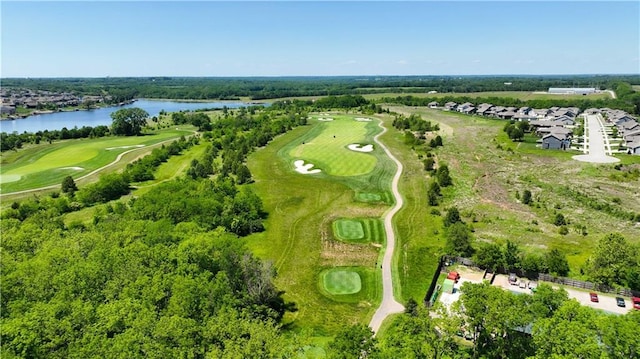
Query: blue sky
{"x": 97, "y": 39}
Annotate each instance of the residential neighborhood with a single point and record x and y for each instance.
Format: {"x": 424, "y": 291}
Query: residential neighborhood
{"x": 38, "y": 101}
{"x": 555, "y": 125}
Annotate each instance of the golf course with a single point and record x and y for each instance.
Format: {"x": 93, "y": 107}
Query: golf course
{"x": 46, "y": 165}
{"x": 326, "y": 186}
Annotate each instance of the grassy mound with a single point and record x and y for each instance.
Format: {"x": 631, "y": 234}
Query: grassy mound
{"x": 340, "y": 281}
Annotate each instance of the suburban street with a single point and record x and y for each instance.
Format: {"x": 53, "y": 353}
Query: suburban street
{"x": 596, "y": 140}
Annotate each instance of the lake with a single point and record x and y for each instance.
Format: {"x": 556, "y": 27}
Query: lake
{"x": 101, "y": 116}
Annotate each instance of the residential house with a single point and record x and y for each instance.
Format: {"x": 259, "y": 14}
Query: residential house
{"x": 554, "y": 141}
{"x": 8, "y": 110}
{"x": 450, "y": 106}
{"x": 433, "y": 104}
{"x": 633, "y": 148}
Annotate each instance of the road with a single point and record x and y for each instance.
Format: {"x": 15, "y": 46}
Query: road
{"x": 596, "y": 142}
{"x": 388, "y": 305}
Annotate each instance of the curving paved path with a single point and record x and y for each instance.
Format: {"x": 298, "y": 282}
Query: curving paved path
{"x": 388, "y": 305}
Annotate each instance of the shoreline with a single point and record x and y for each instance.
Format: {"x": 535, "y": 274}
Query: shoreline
{"x": 49, "y": 112}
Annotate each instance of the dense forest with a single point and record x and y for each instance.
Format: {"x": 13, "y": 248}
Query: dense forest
{"x": 257, "y": 88}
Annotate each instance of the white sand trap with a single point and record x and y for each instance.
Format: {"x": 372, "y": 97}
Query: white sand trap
{"x": 305, "y": 169}
{"x": 595, "y": 159}
{"x": 9, "y": 178}
{"x": 75, "y": 168}
{"x": 359, "y": 148}
{"x": 121, "y": 147}
{"x": 325, "y": 119}
{"x": 363, "y": 119}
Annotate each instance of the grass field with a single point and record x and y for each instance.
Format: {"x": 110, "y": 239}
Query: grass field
{"x": 339, "y": 281}
{"x": 361, "y": 230}
{"x": 302, "y": 208}
{"x": 488, "y": 169}
{"x": 326, "y": 147}
{"x": 47, "y": 164}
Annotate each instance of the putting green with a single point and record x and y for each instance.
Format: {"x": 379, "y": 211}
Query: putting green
{"x": 340, "y": 282}
{"x": 9, "y": 178}
{"x": 349, "y": 229}
{"x": 326, "y": 146}
{"x": 373, "y": 197}
{"x": 360, "y": 230}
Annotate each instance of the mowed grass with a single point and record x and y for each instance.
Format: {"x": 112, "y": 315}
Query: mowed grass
{"x": 326, "y": 147}
{"x": 339, "y": 281}
{"x": 361, "y": 230}
{"x": 299, "y": 235}
{"x": 48, "y": 164}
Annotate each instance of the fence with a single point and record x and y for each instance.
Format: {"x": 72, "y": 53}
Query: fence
{"x": 445, "y": 261}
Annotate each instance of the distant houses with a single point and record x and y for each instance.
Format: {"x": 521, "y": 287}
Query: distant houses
{"x": 572, "y": 90}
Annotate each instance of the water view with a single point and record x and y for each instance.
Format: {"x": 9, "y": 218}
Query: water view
{"x": 101, "y": 116}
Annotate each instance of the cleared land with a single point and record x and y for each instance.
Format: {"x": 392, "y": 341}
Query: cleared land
{"x": 47, "y": 164}
{"x": 302, "y": 208}
{"x": 488, "y": 170}
{"x": 520, "y": 95}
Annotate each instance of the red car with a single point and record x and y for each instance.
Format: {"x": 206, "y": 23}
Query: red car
{"x": 594, "y": 297}
{"x": 636, "y": 302}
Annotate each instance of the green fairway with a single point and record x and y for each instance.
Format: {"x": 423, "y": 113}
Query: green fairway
{"x": 326, "y": 147}
{"x": 338, "y": 282}
{"x": 302, "y": 208}
{"x": 48, "y": 164}
{"x": 361, "y": 230}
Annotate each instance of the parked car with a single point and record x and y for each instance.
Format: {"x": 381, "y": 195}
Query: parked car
{"x": 620, "y": 302}
{"x": 594, "y": 297}
{"x": 636, "y": 302}
{"x": 533, "y": 286}
{"x": 513, "y": 280}
{"x": 523, "y": 284}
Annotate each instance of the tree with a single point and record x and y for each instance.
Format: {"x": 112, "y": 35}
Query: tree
{"x": 453, "y": 216}
{"x": 511, "y": 255}
{"x": 611, "y": 259}
{"x": 557, "y": 263}
{"x": 353, "y": 342}
{"x": 128, "y": 121}
{"x": 559, "y": 220}
{"x": 526, "y": 197}
{"x": 69, "y": 185}
{"x": 443, "y": 177}
{"x": 459, "y": 240}
{"x": 428, "y": 164}
{"x": 488, "y": 255}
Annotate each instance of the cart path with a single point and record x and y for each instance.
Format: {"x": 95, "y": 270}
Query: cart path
{"x": 54, "y": 186}
{"x": 388, "y": 305}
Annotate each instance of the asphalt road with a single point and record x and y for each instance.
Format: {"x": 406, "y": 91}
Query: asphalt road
{"x": 596, "y": 141}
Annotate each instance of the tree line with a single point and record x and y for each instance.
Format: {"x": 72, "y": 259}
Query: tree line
{"x": 232, "y": 88}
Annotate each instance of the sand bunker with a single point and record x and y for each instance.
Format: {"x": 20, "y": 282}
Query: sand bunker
{"x": 305, "y": 169}
{"x": 360, "y": 148}
{"x": 325, "y": 119}
{"x": 121, "y": 147}
{"x": 75, "y": 168}
{"x": 363, "y": 119}
{"x": 9, "y": 178}
{"x": 595, "y": 159}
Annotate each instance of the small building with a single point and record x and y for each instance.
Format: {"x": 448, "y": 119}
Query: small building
{"x": 447, "y": 286}
{"x": 8, "y": 110}
{"x": 633, "y": 148}
{"x": 433, "y": 104}
{"x": 572, "y": 90}
{"x": 555, "y": 141}
{"x": 450, "y": 106}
